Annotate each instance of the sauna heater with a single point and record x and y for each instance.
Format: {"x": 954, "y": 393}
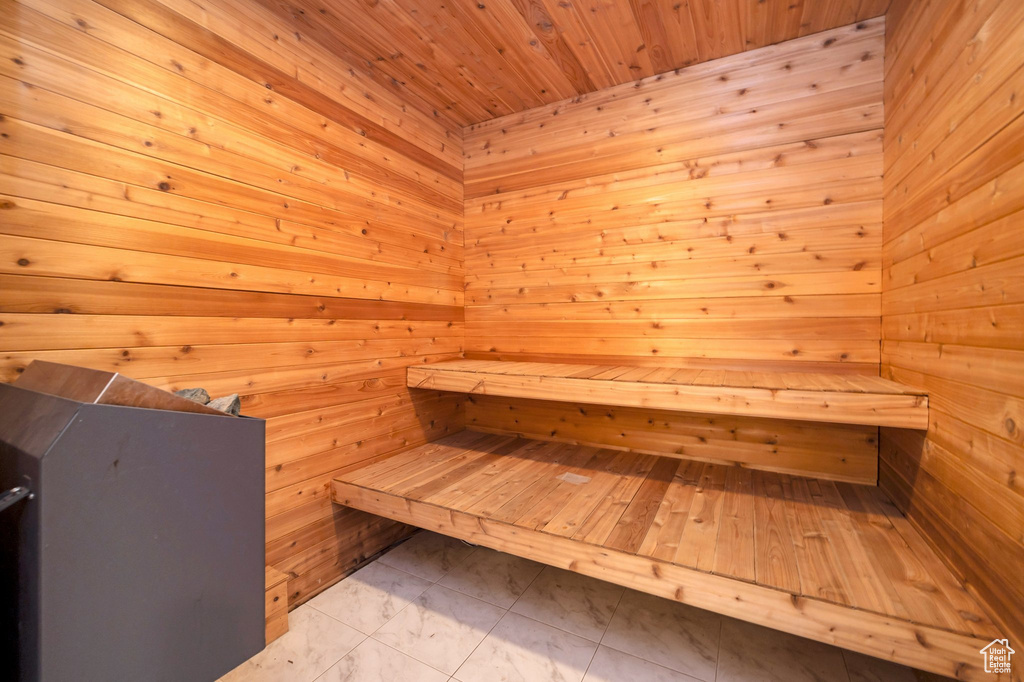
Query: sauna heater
{"x": 133, "y": 543}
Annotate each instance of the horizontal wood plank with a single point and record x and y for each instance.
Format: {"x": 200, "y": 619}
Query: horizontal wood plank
{"x": 193, "y": 199}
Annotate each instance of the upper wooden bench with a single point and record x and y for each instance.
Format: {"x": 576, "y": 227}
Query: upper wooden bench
{"x": 843, "y": 399}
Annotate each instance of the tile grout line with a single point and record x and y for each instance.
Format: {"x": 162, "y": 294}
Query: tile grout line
{"x": 655, "y": 663}
{"x": 407, "y": 655}
{"x": 365, "y": 636}
{"x": 507, "y": 608}
{"x": 532, "y": 581}
{"x": 605, "y": 632}
{"x": 718, "y": 653}
{"x": 482, "y": 639}
{"x": 507, "y": 611}
{"x": 412, "y": 601}
{"x": 846, "y": 664}
{"x": 599, "y": 642}
{"x": 437, "y": 583}
{"x": 363, "y": 641}
{"x": 433, "y": 582}
{"x": 556, "y": 627}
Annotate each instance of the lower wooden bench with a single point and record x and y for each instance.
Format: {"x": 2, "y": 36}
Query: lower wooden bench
{"x": 834, "y": 562}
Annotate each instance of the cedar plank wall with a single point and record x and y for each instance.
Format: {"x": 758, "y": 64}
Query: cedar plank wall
{"x": 218, "y": 202}
{"x": 953, "y": 300}
{"x": 730, "y": 212}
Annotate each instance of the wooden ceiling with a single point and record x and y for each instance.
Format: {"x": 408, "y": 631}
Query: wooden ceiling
{"x": 473, "y": 60}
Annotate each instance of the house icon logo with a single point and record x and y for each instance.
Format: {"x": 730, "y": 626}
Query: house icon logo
{"x": 997, "y": 656}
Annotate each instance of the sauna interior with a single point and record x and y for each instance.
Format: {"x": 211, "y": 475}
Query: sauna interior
{"x": 720, "y": 301}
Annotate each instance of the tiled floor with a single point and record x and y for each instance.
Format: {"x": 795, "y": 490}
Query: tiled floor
{"x": 434, "y": 610}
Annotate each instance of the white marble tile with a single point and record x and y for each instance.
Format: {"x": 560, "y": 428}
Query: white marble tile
{"x": 440, "y": 628}
{"x": 372, "y": 661}
{"x": 370, "y": 597}
{"x": 427, "y": 555}
{"x": 495, "y": 577}
{"x": 610, "y": 665}
{"x": 522, "y": 650}
{"x": 314, "y": 642}
{"x": 868, "y": 669}
{"x": 666, "y": 632}
{"x": 570, "y": 601}
{"x": 752, "y": 652}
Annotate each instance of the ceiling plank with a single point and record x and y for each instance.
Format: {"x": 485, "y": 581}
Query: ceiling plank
{"x": 548, "y": 32}
{"x": 499, "y": 26}
{"x": 611, "y": 25}
{"x": 468, "y": 61}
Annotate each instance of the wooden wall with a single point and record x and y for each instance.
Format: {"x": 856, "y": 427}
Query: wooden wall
{"x": 728, "y": 212}
{"x": 198, "y": 195}
{"x": 953, "y": 290}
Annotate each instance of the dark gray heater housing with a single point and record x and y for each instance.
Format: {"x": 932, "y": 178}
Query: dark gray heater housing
{"x": 140, "y": 555}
